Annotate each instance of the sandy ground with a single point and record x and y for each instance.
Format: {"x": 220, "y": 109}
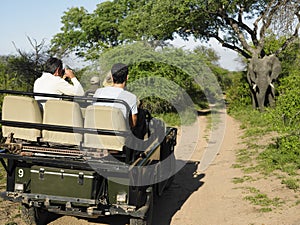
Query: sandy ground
{"x": 206, "y": 195}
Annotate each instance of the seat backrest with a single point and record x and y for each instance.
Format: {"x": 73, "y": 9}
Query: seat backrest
{"x": 21, "y": 109}
{"x": 63, "y": 113}
{"x": 107, "y": 118}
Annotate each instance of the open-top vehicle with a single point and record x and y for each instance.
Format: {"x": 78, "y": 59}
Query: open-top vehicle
{"x": 71, "y": 157}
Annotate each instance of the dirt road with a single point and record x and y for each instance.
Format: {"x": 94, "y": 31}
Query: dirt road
{"x": 209, "y": 197}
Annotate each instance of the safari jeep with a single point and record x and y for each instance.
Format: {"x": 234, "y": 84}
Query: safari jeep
{"x": 71, "y": 157}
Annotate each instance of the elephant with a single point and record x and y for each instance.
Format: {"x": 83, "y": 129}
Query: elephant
{"x": 261, "y": 74}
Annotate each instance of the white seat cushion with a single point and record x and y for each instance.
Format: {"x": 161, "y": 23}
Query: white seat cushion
{"x": 21, "y": 109}
{"x": 107, "y": 118}
{"x": 64, "y": 113}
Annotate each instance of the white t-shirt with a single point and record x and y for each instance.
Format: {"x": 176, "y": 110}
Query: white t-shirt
{"x": 117, "y": 93}
{"x": 50, "y": 84}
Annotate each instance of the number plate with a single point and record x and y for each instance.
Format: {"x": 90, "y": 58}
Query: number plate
{"x": 22, "y": 176}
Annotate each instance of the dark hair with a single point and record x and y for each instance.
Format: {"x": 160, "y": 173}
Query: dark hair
{"x": 119, "y": 72}
{"x": 52, "y": 64}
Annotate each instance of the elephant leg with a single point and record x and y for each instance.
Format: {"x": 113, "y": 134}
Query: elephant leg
{"x": 271, "y": 96}
{"x": 254, "y": 99}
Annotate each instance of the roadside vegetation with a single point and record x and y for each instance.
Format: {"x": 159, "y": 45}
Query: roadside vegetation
{"x": 272, "y": 137}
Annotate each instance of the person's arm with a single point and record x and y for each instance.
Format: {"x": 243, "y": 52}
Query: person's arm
{"x": 77, "y": 86}
{"x": 134, "y": 112}
{"x": 133, "y": 120}
{"x": 69, "y": 89}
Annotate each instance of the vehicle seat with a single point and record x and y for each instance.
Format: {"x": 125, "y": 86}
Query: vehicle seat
{"x": 63, "y": 113}
{"x": 107, "y": 118}
{"x": 21, "y": 109}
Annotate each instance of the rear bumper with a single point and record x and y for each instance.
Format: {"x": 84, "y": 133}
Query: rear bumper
{"x": 78, "y": 206}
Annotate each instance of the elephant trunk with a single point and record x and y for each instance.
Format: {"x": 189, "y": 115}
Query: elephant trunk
{"x": 261, "y": 101}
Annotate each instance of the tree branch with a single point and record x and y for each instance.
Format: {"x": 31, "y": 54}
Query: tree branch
{"x": 19, "y": 50}
{"x": 232, "y": 47}
{"x": 267, "y": 17}
{"x": 294, "y": 36}
{"x": 252, "y": 33}
{"x": 237, "y": 26}
{"x": 255, "y": 24}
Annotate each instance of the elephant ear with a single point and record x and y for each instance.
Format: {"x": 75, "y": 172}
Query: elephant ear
{"x": 250, "y": 71}
{"x": 276, "y": 67}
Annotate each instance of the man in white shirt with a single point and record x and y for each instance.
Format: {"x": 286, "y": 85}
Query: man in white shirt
{"x": 119, "y": 74}
{"x": 52, "y": 82}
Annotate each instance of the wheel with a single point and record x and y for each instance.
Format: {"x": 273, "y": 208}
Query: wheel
{"x": 172, "y": 170}
{"x": 36, "y": 216}
{"x": 165, "y": 174}
{"x": 149, "y": 215}
{"x": 28, "y": 215}
{"x": 134, "y": 221}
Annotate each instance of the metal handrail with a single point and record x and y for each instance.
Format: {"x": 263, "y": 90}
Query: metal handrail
{"x": 67, "y": 97}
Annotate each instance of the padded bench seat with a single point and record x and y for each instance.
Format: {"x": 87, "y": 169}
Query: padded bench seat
{"x": 21, "y": 109}
{"x": 64, "y": 113}
{"x": 108, "y": 118}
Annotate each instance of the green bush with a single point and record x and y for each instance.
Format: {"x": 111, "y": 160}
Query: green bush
{"x": 284, "y": 155}
{"x": 284, "y": 120}
{"x": 286, "y": 115}
{"x": 175, "y": 74}
{"x": 164, "y": 88}
{"x": 238, "y": 95}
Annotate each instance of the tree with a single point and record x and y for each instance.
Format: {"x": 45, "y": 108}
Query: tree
{"x": 227, "y": 22}
{"x": 18, "y": 72}
{"x": 156, "y": 21}
{"x": 85, "y": 33}
{"x": 89, "y": 34}
{"x": 119, "y": 21}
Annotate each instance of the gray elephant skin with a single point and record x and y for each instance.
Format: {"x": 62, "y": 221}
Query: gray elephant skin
{"x": 261, "y": 74}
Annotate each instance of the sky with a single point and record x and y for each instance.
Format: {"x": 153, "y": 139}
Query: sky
{"x": 40, "y": 20}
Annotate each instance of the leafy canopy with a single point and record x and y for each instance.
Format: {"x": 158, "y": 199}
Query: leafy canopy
{"x": 156, "y": 21}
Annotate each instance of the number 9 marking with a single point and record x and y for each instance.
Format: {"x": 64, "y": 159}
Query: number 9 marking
{"x": 21, "y": 173}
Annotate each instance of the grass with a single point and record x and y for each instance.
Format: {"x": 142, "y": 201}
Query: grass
{"x": 2, "y": 176}
{"x": 291, "y": 183}
{"x": 268, "y": 154}
{"x": 240, "y": 180}
{"x": 280, "y": 153}
{"x": 265, "y": 203}
{"x": 187, "y": 117}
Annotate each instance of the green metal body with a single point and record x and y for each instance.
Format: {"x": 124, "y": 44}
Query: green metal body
{"x": 117, "y": 186}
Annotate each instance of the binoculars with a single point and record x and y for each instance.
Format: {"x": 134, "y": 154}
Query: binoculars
{"x": 64, "y": 69}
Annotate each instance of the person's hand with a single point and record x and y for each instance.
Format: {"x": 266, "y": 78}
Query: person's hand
{"x": 69, "y": 73}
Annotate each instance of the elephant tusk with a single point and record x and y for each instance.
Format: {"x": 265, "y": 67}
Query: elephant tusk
{"x": 272, "y": 85}
{"x": 254, "y": 86}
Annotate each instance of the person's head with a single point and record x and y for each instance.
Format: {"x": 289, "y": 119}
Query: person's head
{"x": 95, "y": 80}
{"x": 54, "y": 66}
{"x": 107, "y": 80}
{"x": 119, "y": 72}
